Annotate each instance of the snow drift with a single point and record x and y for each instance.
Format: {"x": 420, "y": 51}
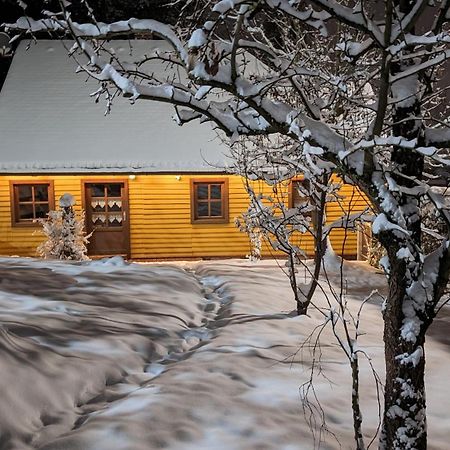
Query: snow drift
{"x": 108, "y": 355}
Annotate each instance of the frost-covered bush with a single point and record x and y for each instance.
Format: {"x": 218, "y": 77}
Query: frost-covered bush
{"x": 66, "y": 237}
{"x": 255, "y": 236}
{"x": 375, "y": 252}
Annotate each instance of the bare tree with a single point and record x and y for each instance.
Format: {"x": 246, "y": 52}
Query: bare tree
{"x": 368, "y": 110}
{"x": 278, "y": 220}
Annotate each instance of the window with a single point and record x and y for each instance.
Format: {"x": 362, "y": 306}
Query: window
{"x": 209, "y": 201}
{"x": 299, "y": 199}
{"x": 105, "y": 204}
{"x": 299, "y": 193}
{"x": 30, "y": 201}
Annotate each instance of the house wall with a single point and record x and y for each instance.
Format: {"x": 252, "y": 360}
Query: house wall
{"x": 160, "y": 218}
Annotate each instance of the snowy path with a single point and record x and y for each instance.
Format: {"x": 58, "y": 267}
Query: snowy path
{"x": 109, "y": 356}
{"x": 184, "y": 343}
{"x": 86, "y": 342}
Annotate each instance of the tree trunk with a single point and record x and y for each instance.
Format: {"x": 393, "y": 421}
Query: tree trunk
{"x": 356, "y": 407}
{"x": 320, "y": 247}
{"x": 405, "y": 325}
{"x": 404, "y": 420}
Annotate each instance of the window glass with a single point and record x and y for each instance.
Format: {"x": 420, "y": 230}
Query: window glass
{"x": 114, "y": 205}
{"x": 113, "y": 222}
{"x": 25, "y": 193}
{"x": 202, "y": 191}
{"x": 98, "y": 206}
{"x": 114, "y": 190}
{"x": 41, "y": 211}
{"x": 98, "y": 219}
{"x": 300, "y": 192}
{"x": 26, "y": 212}
{"x": 216, "y": 191}
{"x": 202, "y": 210}
{"x": 216, "y": 209}
{"x": 41, "y": 193}
{"x": 98, "y": 190}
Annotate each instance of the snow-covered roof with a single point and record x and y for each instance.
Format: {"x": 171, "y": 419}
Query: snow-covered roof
{"x": 50, "y": 123}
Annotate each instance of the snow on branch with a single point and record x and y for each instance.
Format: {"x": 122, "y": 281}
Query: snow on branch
{"x": 351, "y": 16}
{"x": 349, "y": 221}
{"x": 422, "y": 291}
{"x": 411, "y": 40}
{"x": 417, "y": 68}
{"x": 102, "y": 30}
{"x": 409, "y": 20}
{"x": 438, "y": 137}
{"x": 310, "y": 16}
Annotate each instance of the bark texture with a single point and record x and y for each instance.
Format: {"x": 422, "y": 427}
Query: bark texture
{"x": 404, "y": 420}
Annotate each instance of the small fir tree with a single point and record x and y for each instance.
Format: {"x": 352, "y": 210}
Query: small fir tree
{"x": 66, "y": 237}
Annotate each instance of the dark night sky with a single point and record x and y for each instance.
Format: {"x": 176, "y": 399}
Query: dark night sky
{"x": 105, "y": 10}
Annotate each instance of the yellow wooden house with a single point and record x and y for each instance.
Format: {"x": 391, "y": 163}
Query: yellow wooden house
{"x": 150, "y": 189}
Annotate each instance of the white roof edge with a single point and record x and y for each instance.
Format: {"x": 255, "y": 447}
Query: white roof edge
{"x": 109, "y": 167}
{"x": 110, "y": 171}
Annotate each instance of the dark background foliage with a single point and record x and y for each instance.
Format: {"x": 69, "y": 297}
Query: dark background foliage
{"x": 105, "y": 10}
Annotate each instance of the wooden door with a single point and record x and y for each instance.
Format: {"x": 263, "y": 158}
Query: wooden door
{"x": 106, "y": 205}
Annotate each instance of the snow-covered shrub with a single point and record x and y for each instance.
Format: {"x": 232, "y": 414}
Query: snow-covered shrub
{"x": 375, "y": 252}
{"x": 369, "y": 247}
{"x": 66, "y": 237}
{"x": 254, "y": 235}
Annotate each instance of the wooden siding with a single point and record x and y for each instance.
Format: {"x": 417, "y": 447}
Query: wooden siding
{"x": 345, "y": 240}
{"x": 160, "y": 218}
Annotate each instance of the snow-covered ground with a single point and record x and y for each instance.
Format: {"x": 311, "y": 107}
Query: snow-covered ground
{"x": 200, "y": 355}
